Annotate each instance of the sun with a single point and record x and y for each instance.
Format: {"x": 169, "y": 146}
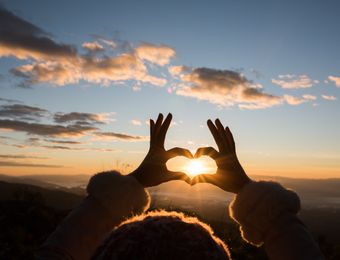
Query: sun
{"x": 195, "y": 167}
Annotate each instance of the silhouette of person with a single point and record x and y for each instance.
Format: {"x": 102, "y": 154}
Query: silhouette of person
{"x": 111, "y": 222}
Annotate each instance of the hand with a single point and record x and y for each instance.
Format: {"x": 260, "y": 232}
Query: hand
{"x": 153, "y": 170}
{"x": 230, "y": 175}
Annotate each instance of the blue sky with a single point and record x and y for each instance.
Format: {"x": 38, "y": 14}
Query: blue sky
{"x": 268, "y": 69}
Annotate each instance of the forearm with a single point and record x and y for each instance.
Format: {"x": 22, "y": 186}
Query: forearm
{"x": 266, "y": 213}
{"x": 112, "y": 198}
{"x": 289, "y": 238}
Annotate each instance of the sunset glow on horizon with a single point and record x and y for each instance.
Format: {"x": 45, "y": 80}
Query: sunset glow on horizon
{"x": 78, "y": 89}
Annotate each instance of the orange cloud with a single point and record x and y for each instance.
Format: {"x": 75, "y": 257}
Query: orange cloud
{"x": 291, "y": 100}
{"x": 157, "y": 54}
{"x": 224, "y": 88}
{"x": 309, "y": 97}
{"x": 330, "y": 98}
{"x": 292, "y": 81}
{"x": 61, "y": 64}
{"x": 336, "y": 80}
{"x": 93, "y": 46}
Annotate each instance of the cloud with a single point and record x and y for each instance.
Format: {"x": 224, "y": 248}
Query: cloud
{"x": 177, "y": 70}
{"x": 62, "y": 141}
{"x": 83, "y": 118}
{"x": 157, "y": 54}
{"x": 9, "y": 100}
{"x": 120, "y": 136}
{"x": 330, "y": 98}
{"x": 60, "y": 64}
{"x": 126, "y": 66}
{"x": 292, "y": 81}
{"x": 109, "y": 43}
{"x": 294, "y": 101}
{"x": 224, "y": 88}
{"x": 20, "y": 156}
{"x": 93, "y": 46}
{"x": 46, "y": 129}
{"x": 22, "y": 112}
{"x": 60, "y": 147}
{"x": 309, "y": 97}
{"x": 57, "y": 73}
{"x": 17, "y": 164}
{"x": 336, "y": 80}
{"x": 24, "y": 40}
{"x": 136, "y": 122}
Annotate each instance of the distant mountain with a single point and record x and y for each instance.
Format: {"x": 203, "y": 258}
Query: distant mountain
{"x": 313, "y": 192}
{"x": 53, "y": 182}
{"x": 54, "y": 198}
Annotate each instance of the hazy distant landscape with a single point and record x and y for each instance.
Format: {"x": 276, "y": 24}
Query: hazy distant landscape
{"x": 50, "y": 197}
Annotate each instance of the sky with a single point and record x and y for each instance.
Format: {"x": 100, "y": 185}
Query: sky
{"x": 79, "y": 81}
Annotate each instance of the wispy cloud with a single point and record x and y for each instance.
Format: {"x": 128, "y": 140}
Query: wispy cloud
{"x": 62, "y": 147}
{"x": 329, "y": 97}
{"x": 93, "y": 46}
{"x": 120, "y": 136}
{"x": 36, "y": 165}
{"x": 294, "y": 101}
{"x": 22, "y": 112}
{"x": 61, "y": 64}
{"x": 292, "y": 81}
{"x": 85, "y": 118}
{"x": 7, "y": 100}
{"x": 336, "y": 80}
{"x": 223, "y": 88}
{"x": 309, "y": 97}
{"x": 20, "y": 156}
{"x": 62, "y": 141}
{"x": 46, "y": 129}
{"x": 136, "y": 122}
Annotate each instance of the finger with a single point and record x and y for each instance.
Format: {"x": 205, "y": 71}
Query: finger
{"x": 171, "y": 176}
{"x": 204, "y": 178}
{"x": 208, "y": 151}
{"x": 164, "y": 128}
{"x": 177, "y": 151}
{"x": 152, "y": 129}
{"x": 230, "y": 138}
{"x": 215, "y": 134}
{"x": 222, "y": 133}
{"x": 158, "y": 125}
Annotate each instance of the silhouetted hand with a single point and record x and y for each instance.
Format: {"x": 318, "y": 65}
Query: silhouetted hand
{"x": 153, "y": 170}
{"x": 230, "y": 175}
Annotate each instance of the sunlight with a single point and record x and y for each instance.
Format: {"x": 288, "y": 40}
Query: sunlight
{"x": 195, "y": 167}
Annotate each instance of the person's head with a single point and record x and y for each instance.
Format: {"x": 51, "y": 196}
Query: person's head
{"x": 162, "y": 235}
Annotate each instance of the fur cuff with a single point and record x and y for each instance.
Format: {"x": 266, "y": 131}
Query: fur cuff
{"x": 121, "y": 195}
{"x": 258, "y": 205}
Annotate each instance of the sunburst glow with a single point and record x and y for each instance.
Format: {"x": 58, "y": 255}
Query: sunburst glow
{"x": 195, "y": 167}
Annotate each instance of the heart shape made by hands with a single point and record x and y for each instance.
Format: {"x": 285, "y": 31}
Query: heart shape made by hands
{"x": 192, "y": 167}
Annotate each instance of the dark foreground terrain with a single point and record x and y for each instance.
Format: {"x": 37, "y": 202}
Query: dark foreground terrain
{"x": 30, "y": 211}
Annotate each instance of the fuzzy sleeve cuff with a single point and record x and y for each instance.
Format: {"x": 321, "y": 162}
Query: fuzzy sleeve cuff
{"x": 258, "y": 205}
{"x": 120, "y": 195}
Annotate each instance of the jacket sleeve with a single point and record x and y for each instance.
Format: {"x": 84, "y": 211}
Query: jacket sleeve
{"x": 267, "y": 215}
{"x": 111, "y": 199}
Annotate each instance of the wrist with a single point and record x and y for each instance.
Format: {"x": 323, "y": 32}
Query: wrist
{"x": 136, "y": 175}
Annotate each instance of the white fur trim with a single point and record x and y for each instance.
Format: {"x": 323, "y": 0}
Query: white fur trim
{"x": 121, "y": 195}
{"x": 257, "y": 205}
